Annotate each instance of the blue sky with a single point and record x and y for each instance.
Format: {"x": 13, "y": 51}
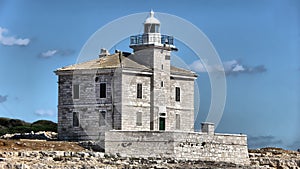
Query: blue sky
{"x": 258, "y": 42}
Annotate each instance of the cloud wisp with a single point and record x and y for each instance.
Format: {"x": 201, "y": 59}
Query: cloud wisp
{"x": 232, "y": 67}
{"x": 54, "y": 52}
{"x": 263, "y": 141}
{"x": 11, "y": 40}
{"x": 43, "y": 112}
{"x": 3, "y": 98}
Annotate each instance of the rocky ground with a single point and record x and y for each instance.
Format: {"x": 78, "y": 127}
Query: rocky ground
{"x": 275, "y": 158}
{"x": 57, "y": 154}
{"x": 24, "y": 145}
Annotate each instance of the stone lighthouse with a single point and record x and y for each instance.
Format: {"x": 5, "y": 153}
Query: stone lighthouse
{"x": 139, "y": 105}
{"x": 154, "y": 50}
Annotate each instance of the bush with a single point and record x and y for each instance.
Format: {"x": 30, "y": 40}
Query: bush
{"x": 44, "y": 125}
{"x": 10, "y": 126}
{"x": 19, "y": 129}
{"x": 6, "y": 122}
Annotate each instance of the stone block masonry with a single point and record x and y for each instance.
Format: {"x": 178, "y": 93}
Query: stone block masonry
{"x": 179, "y": 145}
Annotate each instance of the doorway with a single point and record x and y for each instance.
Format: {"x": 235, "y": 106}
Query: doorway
{"x": 162, "y": 123}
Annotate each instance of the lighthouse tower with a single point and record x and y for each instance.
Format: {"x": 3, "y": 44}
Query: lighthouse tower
{"x": 154, "y": 50}
{"x": 151, "y": 36}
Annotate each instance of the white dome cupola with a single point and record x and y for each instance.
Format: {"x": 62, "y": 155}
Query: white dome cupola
{"x": 151, "y": 25}
{"x": 151, "y": 36}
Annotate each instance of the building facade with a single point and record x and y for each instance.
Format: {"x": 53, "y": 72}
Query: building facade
{"x": 126, "y": 91}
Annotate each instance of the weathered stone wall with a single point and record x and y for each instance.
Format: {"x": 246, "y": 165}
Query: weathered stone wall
{"x": 185, "y": 107}
{"x": 88, "y": 106}
{"x": 217, "y": 147}
{"x": 179, "y": 145}
{"x": 117, "y": 99}
{"x": 143, "y": 56}
{"x": 161, "y": 88}
{"x": 162, "y": 96}
{"x": 131, "y": 105}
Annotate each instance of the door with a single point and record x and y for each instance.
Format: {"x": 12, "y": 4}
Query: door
{"x": 162, "y": 123}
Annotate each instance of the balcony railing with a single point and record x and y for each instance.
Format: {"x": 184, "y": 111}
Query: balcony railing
{"x": 151, "y": 39}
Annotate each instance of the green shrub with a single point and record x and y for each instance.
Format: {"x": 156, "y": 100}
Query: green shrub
{"x": 11, "y": 126}
{"x": 44, "y": 125}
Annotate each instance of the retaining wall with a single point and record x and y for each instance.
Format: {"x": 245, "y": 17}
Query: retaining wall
{"x": 179, "y": 145}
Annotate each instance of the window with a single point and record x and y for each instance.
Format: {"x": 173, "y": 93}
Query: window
{"x": 151, "y": 28}
{"x": 139, "y": 90}
{"x": 177, "y": 94}
{"x": 102, "y": 90}
{"x": 177, "y": 122}
{"x": 76, "y": 91}
{"x": 75, "y": 119}
{"x": 167, "y": 57}
{"x": 162, "y": 67}
{"x": 139, "y": 118}
{"x": 161, "y": 84}
{"x": 156, "y": 28}
{"x": 102, "y": 117}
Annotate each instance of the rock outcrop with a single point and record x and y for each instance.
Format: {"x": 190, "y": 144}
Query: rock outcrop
{"x": 88, "y": 159}
{"x": 41, "y": 135}
{"x": 43, "y": 154}
{"x": 274, "y": 158}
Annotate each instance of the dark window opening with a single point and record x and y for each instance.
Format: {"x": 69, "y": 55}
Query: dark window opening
{"x": 76, "y": 91}
{"x": 102, "y": 90}
{"x": 177, "y": 94}
{"x": 161, "y": 84}
{"x": 167, "y": 57}
{"x": 162, "y": 123}
{"x": 102, "y": 118}
{"x": 75, "y": 119}
{"x": 139, "y": 90}
{"x": 139, "y": 118}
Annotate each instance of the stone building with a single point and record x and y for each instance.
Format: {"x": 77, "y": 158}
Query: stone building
{"x": 127, "y": 91}
{"x": 138, "y": 104}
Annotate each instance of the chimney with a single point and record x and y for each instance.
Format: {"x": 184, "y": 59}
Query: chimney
{"x": 103, "y": 52}
{"x": 208, "y": 128}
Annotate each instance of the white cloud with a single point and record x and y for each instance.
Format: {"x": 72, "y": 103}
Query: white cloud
{"x": 43, "y": 112}
{"x": 197, "y": 66}
{"x": 11, "y": 40}
{"x": 48, "y": 53}
{"x": 238, "y": 68}
{"x": 229, "y": 67}
{"x": 53, "y": 52}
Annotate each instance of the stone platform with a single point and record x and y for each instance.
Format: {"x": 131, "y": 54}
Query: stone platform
{"x": 206, "y": 146}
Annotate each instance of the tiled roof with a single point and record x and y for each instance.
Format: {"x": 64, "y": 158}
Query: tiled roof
{"x": 181, "y": 71}
{"x": 114, "y": 61}
{"x": 106, "y": 62}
